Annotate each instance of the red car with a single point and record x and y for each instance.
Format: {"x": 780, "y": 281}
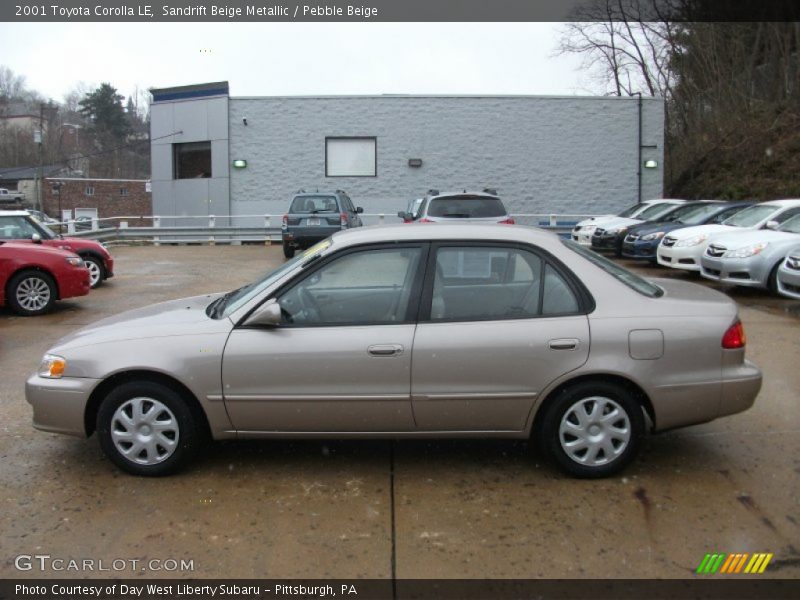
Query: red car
{"x": 20, "y": 226}
{"x": 33, "y": 277}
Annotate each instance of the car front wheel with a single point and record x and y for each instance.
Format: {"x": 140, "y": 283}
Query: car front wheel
{"x": 148, "y": 429}
{"x": 95, "y": 270}
{"x": 31, "y": 293}
{"x": 593, "y": 429}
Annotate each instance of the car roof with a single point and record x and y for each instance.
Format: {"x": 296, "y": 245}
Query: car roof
{"x": 301, "y": 194}
{"x": 468, "y": 232}
{"x": 463, "y": 193}
{"x": 785, "y": 203}
{"x": 14, "y": 213}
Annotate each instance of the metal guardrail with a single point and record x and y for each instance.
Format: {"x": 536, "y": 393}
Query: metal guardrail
{"x": 222, "y": 229}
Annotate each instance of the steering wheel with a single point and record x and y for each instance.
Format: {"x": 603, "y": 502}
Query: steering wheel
{"x": 309, "y": 305}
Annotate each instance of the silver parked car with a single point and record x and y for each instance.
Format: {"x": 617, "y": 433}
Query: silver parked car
{"x": 789, "y": 275}
{"x": 444, "y": 207}
{"x": 460, "y": 330}
{"x": 751, "y": 258}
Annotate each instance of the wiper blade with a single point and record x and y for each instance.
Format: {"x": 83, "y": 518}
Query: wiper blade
{"x": 218, "y": 305}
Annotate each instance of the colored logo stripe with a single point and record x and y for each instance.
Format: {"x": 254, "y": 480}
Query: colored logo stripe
{"x": 734, "y": 563}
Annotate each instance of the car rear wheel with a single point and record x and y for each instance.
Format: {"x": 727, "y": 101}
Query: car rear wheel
{"x": 592, "y": 429}
{"x": 288, "y": 250}
{"x": 95, "y": 270}
{"x": 148, "y": 429}
{"x": 31, "y": 293}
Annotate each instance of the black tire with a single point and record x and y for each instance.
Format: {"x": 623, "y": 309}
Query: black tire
{"x": 35, "y": 305}
{"x": 190, "y": 432}
{"x": 288, "y": 250}
{"x": 772, "y": 280}
{"x": 97, "y": 272}
{"x": 572, "y": 398}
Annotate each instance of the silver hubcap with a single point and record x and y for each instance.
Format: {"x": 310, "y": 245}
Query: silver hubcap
{"x": 94, "y": 272}
{"x": 595, "y": 431}
{"x": 144, "y": 431}
{"x": 33, "y": 293}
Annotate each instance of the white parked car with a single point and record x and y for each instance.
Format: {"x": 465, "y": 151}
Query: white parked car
{"x": 683, "y": 249}
{"x": 583, "y": 230}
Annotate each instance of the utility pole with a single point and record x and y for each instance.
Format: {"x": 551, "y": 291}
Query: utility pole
{"x": 39, "y": 193}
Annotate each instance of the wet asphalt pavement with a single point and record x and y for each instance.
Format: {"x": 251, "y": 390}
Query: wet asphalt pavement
{"x": 462, "y": 509}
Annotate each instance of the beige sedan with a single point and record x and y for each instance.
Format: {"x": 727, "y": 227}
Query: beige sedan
{"x": 408, "y": 331}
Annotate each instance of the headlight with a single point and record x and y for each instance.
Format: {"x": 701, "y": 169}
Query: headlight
{"x": 75, "y": 261}
{"x": 692, "y": 241}
{"x": 52, "y": 366}
{"x": 652, "y": 236}
{"x": 745, "y": 252}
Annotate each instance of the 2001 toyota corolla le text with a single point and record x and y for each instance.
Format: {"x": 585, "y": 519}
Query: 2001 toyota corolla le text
{"x": 446, "y": 331}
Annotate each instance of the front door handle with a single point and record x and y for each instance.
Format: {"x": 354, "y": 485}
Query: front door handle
{"x": 563, "y": 344}
{"x": 385, "y": 350}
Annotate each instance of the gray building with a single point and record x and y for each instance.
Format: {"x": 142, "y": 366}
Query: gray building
{"x": 222, "y": 155}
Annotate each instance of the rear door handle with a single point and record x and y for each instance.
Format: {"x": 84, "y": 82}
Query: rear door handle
{"x": 385, "y": 350}
{"x": 563, "y": 344}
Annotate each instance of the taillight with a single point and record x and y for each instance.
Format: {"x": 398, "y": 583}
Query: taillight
{"x": 425, "y": 220}
{"x": 508, "y": 221}
{"x": 734, "y": 337}
{"x": 343, "y": 217}
{"x": 285, "y": 224}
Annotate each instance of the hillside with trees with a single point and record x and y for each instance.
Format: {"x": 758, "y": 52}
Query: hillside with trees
{"x": 731, "y": 90}
{"x": 97, "y": 132}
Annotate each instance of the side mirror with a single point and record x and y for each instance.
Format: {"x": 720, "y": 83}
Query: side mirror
{"x": 404, "y": 215}
{"x": 36, "y": 238}
{"x": 359, "y": 210}
{"x": 266, "y": 315}
{"x": 772, "y": 225}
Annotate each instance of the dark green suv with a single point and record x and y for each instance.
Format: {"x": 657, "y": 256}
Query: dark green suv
{"x": 313, "y": 216}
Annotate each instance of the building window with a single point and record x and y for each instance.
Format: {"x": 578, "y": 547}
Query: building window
{"x": 90, "y": 190}
{"x": 123, "y": 191}
{"x": 351, "y": 157}
{"x": 191, "y": 160}
{"x": 56, "y": 190}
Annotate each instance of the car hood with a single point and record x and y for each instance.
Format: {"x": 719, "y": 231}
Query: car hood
{"x": 596, "y": 220}
{"x": 620, "y": 222}
{"x": 28, "y": 247}
{"x": 732, "y": 241}
{"x": 647, "y": 227}
{"x": 186, "y": 316}
{"x": 688, "y": 232}
{"x": 76, "y": 244}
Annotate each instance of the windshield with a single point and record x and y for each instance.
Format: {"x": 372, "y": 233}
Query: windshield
{"x": 240, "y": 297}
{"x": 629, "y": 212}
{"x": 466, "y": 207}
{"x": 792, "y": 225}
{"x": 695, "y": 215}
{"x": 655, "y": 211}
{"x": 313, "y": 204}
{"x": 750, "y": 217}
{"x": 621, "y": 274}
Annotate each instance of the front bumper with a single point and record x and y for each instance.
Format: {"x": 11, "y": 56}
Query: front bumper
{"x": 607, "y": 242}
{"x": 582, "y": 237}
{"x": 640, "y": 250}
{"x": 686, "y": 258}
{"x": 59, "y": 405}
{"x": 789, "y": 282}
{"x": 75, "y": 283}
{"x": 108, "y": 265}
{"x": 735, "y": 271}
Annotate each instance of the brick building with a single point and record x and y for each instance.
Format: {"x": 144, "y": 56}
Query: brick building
{"x": 108, "y": 197}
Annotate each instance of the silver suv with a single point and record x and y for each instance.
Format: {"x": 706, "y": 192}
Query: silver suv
{"x": 436, "y": 207}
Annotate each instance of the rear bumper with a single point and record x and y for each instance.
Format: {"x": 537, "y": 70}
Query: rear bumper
{"x": 789, "y": 282}
{"x": 59, "y": 405}
{"x": 306, "y": 236}
{"x": 740, "y": 386}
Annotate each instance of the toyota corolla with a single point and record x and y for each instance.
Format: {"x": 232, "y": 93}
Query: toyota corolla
{"x": 408, "y": 331}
